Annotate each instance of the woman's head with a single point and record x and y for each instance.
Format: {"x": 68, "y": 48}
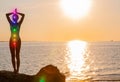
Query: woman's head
{"x": 15, "y": 17}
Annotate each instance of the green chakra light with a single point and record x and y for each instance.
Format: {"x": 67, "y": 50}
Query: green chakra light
{"x": 42, "y": 79}
{"x": 14, "y": 30}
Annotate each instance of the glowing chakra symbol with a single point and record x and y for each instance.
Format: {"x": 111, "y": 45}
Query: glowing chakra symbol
{"x": 42, "y": 79}
{"x": 14, "y": 30}
{"x": 14, "y": 44}
{"x": 14, "y": 40}
{"x": 14, "y": 35}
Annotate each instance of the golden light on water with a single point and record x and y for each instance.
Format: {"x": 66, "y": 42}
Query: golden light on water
{"x": 76, "y": 56}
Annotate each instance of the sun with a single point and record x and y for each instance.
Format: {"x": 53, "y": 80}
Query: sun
{"x": 76, "y": 8}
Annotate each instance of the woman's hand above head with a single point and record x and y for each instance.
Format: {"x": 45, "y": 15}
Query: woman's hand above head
{"x": 8, "y": 14}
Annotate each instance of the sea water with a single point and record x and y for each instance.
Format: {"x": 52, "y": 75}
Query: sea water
{"x": 95, "y": 60}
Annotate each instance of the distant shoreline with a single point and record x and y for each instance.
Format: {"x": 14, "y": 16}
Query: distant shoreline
{"x": 65, "y": 41}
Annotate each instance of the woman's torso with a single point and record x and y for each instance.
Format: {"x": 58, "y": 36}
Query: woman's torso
{"x": 15, "y": 29}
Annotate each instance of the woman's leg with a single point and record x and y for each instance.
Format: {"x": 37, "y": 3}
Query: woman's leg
{"x": 18, "y": 54}
{"x": 12, "y": 51}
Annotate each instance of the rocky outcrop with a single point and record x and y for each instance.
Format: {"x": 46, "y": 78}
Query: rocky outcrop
{"x": 48, "y": 73}
{"x": 7, "y": 76}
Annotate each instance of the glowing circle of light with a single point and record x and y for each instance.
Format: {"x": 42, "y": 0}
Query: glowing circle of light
{"x": 14, "y": 40}
{"x": 14, "y": 35}
{"x": 14, "y": 44}
{"x": 14, "y": 29}
{"x": 42, "y": 79}
{"x": 76, "y": 8}
{"x": 76, "y": 56}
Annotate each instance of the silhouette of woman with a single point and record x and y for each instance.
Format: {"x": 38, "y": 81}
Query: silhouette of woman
{"x": 15, "y": 41}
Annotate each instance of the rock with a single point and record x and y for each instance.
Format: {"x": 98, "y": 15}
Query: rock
{"x": 7, "y": 76}
{"x": 48, "y": 73}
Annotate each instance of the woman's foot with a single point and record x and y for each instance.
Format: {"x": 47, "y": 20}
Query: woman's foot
{"x": 15, "y": 71}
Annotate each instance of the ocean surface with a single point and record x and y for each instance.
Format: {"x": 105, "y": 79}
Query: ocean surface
{"x": 76, "y": 59}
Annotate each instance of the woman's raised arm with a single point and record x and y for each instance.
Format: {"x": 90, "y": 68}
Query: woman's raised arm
{"x": 23, "y": 15}
{"x": 8, "y": 17}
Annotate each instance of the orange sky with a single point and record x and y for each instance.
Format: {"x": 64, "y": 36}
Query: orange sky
{"x": 45, "y": 21}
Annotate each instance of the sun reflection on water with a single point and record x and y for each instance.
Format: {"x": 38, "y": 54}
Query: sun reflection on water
{"x": 76, "y": 56}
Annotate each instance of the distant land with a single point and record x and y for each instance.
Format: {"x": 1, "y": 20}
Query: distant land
{"x": 66, "y": 41}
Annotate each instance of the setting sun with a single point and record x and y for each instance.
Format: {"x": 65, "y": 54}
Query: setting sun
{"x": 76, "y": 8}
